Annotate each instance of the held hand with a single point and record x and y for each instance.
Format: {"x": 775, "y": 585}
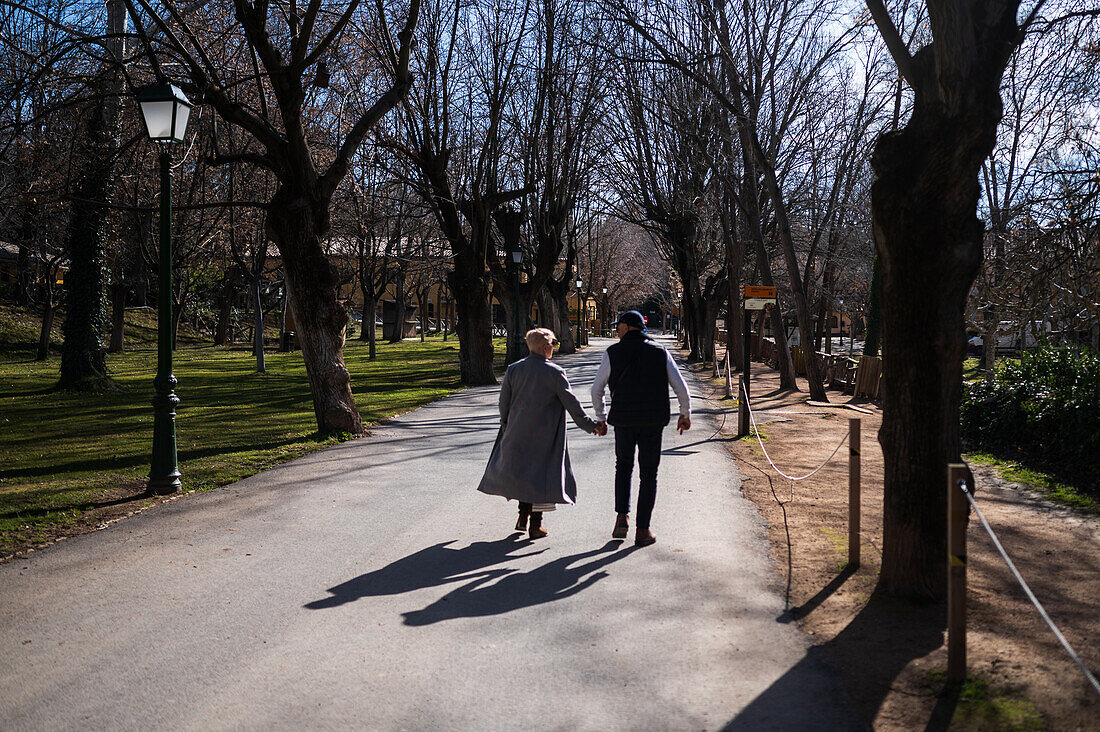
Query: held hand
{"x": 683, "y": 424}
{"x": 601, "y": 429}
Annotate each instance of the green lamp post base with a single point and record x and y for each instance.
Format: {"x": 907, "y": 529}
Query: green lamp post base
{"x": 164, "y": 474}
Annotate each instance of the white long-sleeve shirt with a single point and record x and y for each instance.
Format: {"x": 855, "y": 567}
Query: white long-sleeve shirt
{"x": 675, "y": 380}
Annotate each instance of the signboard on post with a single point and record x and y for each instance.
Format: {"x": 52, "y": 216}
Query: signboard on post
{"x": 757, "y": 297}
{"x": 757, "y": 291}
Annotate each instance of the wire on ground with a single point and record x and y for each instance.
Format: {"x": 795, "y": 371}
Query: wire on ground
{"x": 1027, "y": 590}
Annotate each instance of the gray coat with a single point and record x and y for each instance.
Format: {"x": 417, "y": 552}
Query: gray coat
{"x": 530, "y": 461}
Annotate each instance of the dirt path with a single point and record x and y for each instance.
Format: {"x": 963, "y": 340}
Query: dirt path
{"x": 893, "y": 656}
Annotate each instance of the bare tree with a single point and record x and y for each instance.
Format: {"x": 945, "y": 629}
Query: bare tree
{"x": 929, "y": 242}
{"x": 277, "y": 49}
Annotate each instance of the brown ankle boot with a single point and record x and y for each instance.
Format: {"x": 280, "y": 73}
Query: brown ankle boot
{"x": 535, "y": 531}
{"x": 524, "y": 513}
{"x": 622, "y": 525}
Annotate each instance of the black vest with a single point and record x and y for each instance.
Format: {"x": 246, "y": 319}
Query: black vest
{"x": 639, "y": 382}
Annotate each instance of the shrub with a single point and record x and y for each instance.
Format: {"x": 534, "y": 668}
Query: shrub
{"x": 1043, "y": 409}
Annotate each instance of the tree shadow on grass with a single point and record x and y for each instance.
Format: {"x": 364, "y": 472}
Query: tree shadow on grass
{"x": 130, "y": 461}
{"x": 138, "y": 494}
{"x": 870, "y": 653}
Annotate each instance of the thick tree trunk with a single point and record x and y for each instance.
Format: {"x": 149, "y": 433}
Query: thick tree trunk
{"x": 293, "y": 224}
{"x": 517, "y": 328}
{"x": 929, "y": 244}
{"x": 702, "y": 341}
{"x": 474, "y": 326}
{"x": 83, "y": 357}
{"x": 554, "y": 309}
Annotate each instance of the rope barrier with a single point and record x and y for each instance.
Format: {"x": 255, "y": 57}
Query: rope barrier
{"x": 1030, "y": 595}
{"x": 752, "y": 418}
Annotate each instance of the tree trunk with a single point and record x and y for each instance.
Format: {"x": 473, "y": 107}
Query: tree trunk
{"x": 118, "y": 317}
{"x": 398, "y": 331}
{"x": 554, "y": 308}
{"x": 929, "y": 245}
{"x": 369, "y": 334}
{"x": 474, "y": 328}
{"x": 83, "y": 358}
{"x": 47, "y": 328}
{"x": 872, "y": 344}
{"x": 258, "y": 330}
{"x": 319, "y": 316}
{"x": 24, "y": 277}
{"x": 423, "y": 313}
{"x": 223, "y": 328}
{"x": 517, "y": 328}
{"x": 177, "y": 318}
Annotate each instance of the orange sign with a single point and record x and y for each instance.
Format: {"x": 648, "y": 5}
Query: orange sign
{"x": 752, "y": 291}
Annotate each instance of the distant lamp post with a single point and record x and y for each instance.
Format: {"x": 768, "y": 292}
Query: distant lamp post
{"x": 580, "y": 315}
{"x": 603, "y": 325}
{"x": 165, "y": 111}
{"x": 517, "y": 337}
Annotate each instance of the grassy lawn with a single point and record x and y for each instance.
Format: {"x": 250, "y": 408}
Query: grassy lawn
{"x": 1057, "y": 491}
{"x": 64, "y": 454}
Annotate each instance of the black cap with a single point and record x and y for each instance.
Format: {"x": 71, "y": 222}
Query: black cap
{"x": 632, "y": 318}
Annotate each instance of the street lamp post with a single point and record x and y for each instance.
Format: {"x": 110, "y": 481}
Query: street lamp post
{"x": 603, "y": 324}
{"x": 580, "y": 315}
{"x": 517, "y": 338}
{"x": 165, "y": 111}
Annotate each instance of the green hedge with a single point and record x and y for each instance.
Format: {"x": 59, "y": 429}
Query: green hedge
{"x": 1043, "y": 409}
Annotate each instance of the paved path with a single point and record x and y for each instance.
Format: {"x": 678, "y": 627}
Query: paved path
{"x": 370, "y": 586}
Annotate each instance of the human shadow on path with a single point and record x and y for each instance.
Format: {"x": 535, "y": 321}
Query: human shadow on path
{"x": 874, "y": 648}
{"x": 552, "y": 581}
{"x": 431, "y": 567}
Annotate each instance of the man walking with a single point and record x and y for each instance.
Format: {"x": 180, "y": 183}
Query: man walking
{"x": 639, "y": 373}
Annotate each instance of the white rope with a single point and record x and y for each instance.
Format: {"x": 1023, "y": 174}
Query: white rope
{"x": 768, "y": 457}
{"x": 1030, "y": 595}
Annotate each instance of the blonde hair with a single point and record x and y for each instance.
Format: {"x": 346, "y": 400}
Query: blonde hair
{"x": 538, "y": 338}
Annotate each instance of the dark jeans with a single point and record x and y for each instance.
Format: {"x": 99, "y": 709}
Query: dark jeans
{"x": 648, "y": 442}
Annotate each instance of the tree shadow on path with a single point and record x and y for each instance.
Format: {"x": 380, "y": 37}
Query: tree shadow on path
{"x": 870, "y": 653}
{"x": 431, "y": 567}
{"x": 552, "y": 581}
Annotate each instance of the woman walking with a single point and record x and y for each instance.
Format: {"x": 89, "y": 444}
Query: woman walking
{"x": 530, "y": 460}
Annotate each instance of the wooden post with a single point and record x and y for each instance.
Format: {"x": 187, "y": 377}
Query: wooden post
{"x": 957, "y": 511}
{"x": 853, "y": 492}
{"x": 743, "y": 393}
{"x": 729, "y": 375}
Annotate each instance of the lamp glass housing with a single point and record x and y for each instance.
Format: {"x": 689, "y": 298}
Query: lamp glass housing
{"x": 165, "y": 111}
{"x": 517, "y": 256}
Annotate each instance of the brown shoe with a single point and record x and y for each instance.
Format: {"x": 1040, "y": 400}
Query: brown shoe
{"x": 644, "y": 537}
{"x": 622, "y": 526}
{"x": 535, "y": 530}
{"x": 524, "y": 513}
